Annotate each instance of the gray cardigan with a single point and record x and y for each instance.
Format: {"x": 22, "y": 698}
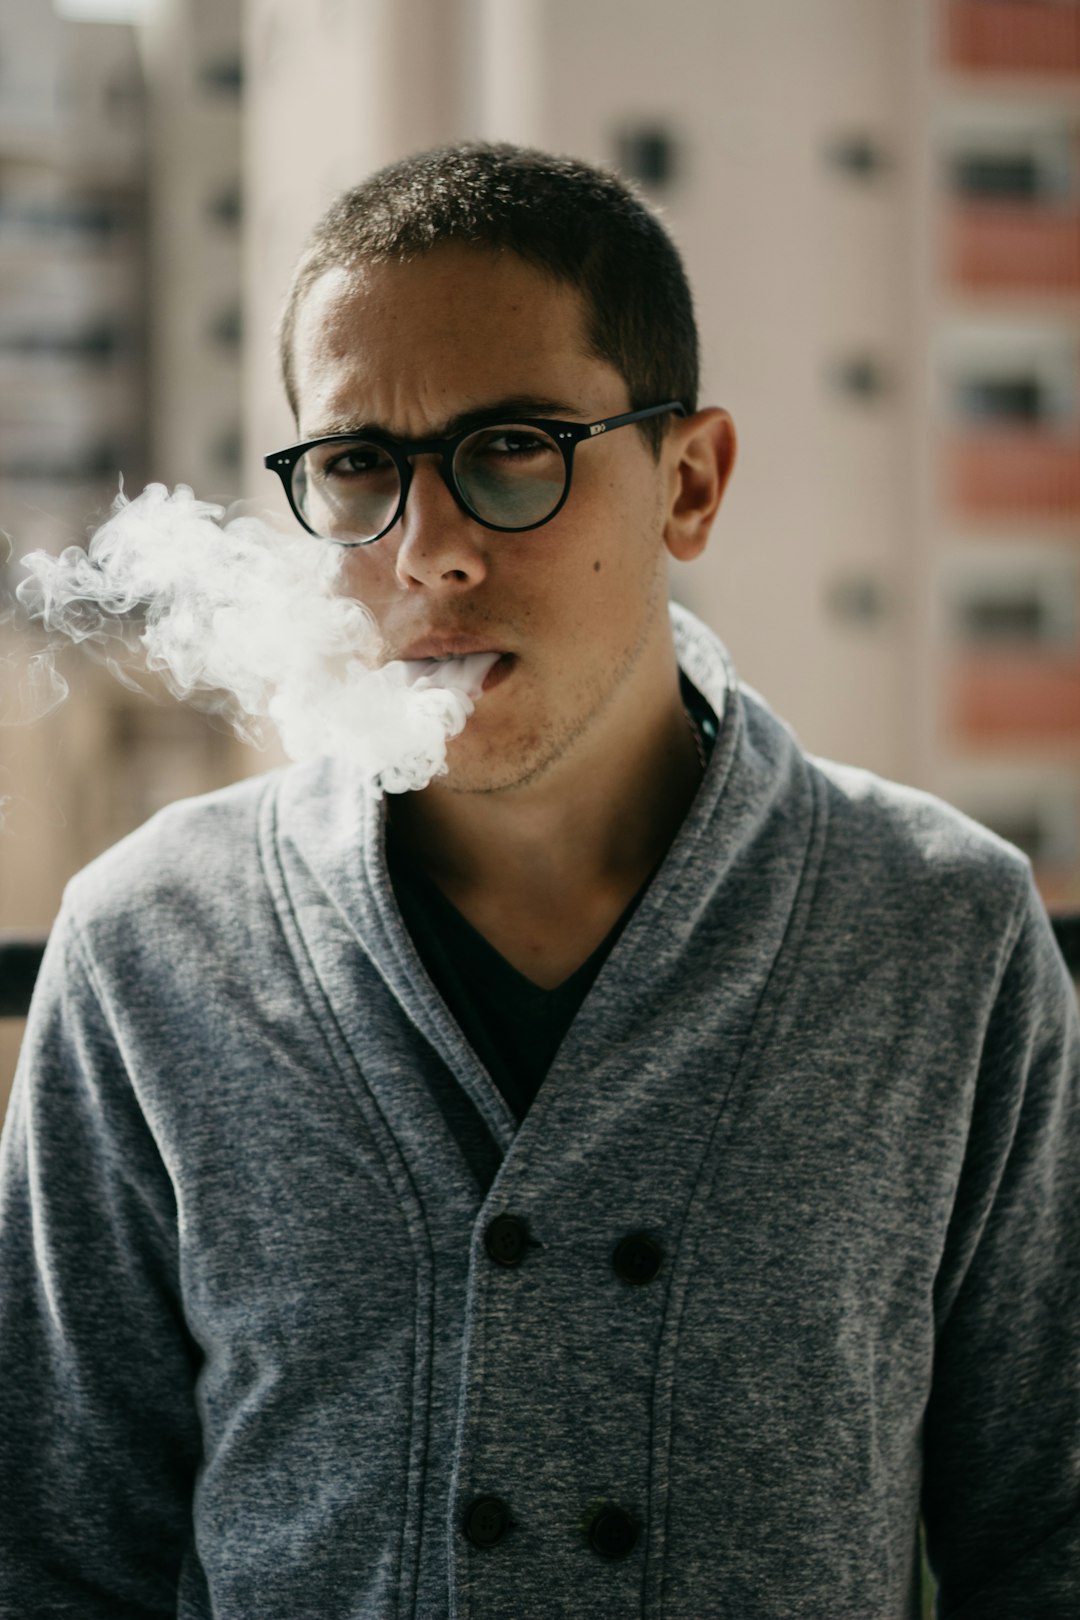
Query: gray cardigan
{"x": 262, "y": 1356}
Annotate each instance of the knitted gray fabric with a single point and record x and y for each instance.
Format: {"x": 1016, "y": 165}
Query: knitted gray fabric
{"x": 257, "y": 1362}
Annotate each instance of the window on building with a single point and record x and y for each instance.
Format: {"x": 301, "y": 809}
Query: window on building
{"x": 222, "y": 76}
{"x": 225, "y": 205}
{"x": 858, "y": 600}
{"x": 860, "y": 156}
{"x": 647, "y": 153}
{"x": 998, "y": 175}
{"x": 1010, "y": 599}
{"x": 861, "y": 377}
{"x": 1013, "y": 159}
{"x": 1027, "y": 832}
{"x": 1045, "y": 828}
{"x": 87, "y": 465}
{"x": 97, "y": 345}
{"x": 997, "y": 619}
{"x": 1019, "y": 397}
{"x": 86, "y": 219}
{"x": 225, "y": 328}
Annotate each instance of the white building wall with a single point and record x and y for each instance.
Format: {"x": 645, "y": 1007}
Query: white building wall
{"x": 29, "y": 76}
{"x": 336, "y": 89}
{"x": 799, "y": 268}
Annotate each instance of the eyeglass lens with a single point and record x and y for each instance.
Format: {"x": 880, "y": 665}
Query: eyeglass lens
{"x": 511, "y": 476}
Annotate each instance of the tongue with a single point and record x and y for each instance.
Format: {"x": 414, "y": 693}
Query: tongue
{"x": 461, "y": 674}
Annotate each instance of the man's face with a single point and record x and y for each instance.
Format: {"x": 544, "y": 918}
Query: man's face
{"x": 580, "y": 603}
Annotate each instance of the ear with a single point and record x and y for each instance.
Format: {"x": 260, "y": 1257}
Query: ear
{"x": 699, "y": 451}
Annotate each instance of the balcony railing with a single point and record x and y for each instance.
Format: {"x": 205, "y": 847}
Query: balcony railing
{"x": 1014, "y": 472}
{"x": 1014, "y": 36}
{"x": 20, "y": 958}
{"x": 1014, "y": 248}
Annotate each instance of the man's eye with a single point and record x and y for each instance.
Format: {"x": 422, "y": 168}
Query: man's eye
{"x": 513, "y": 442}
{"x": 353, "y": 463}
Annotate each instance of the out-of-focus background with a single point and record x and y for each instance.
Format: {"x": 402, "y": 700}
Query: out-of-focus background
{"x": 879, "y": 206}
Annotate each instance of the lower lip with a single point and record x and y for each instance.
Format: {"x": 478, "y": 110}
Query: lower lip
{"x": 498, "y": 672}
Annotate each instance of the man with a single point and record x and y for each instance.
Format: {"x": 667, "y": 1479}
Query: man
{"x": 636, "y": 1174}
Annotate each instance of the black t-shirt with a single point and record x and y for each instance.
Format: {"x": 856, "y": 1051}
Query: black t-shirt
{"x": 514, "y": 1026}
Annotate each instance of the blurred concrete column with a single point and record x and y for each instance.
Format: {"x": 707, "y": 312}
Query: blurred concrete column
{"x": 191, "y": 51}
{"x": 509, "y": 81}
{"x": 336, "y": 88}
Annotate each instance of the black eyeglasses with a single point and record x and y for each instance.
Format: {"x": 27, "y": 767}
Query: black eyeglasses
{"x": 508, "y": 475}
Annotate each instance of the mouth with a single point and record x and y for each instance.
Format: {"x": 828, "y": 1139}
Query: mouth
{"x": 472, "y": 672}
{"x": 499, "y": 670}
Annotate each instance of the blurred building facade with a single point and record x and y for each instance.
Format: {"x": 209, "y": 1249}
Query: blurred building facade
{"x": 72, "y": 399}
{"x": 72, "y": 206}
{"x": 1004, "y": 504}
{"x": 879, "y": 206}
{"x": 191, "y": 51}
{"x": 119, "y": 356}
{"x": 775, "y": 137}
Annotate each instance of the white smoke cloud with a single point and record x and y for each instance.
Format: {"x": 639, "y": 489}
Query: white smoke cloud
{"x": 246, "y": 622}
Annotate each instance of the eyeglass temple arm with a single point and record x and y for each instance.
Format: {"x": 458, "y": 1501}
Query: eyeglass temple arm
{"x": 609, "y": 422}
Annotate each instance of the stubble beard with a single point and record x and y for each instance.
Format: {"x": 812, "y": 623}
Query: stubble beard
{"x": 531, "y": 755}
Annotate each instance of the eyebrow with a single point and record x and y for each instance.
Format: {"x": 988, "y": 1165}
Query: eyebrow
{"x": 516, "y": 405}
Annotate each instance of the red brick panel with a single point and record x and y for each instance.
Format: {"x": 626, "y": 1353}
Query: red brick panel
{"x": 1009, "y": 699}
{"x": 1014, "y": 248}
{"x": 1014, "y": 36}
{"x": 1014, "y": 472}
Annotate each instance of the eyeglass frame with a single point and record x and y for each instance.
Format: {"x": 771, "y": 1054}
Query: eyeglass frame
{"x": 566, "y": 435}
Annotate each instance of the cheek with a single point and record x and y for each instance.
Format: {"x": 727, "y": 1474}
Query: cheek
{"x": 367, "y": 575}
{"x": 569, "y": 582}
{"x": 594, "y": 572}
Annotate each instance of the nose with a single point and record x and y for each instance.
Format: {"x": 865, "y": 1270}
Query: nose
{"x": 438, "y": 545}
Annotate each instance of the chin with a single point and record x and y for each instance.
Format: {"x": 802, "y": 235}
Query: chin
{"x": 477, "y": 765}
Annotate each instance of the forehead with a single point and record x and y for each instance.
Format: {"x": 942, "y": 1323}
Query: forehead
{"x": 407, "y": 346}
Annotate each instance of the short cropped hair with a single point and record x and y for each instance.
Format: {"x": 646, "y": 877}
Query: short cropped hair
{"x": 582, "y": 225}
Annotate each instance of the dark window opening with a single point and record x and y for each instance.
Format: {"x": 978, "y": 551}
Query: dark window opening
{"x": 861, "y": 377}
{"x": 648, "y": 155}
{"x": 1047, "y": 837}
{"x": 859, "y": 156}
{"x": 1001, "y": 177}
{"x": 225, "y": 329}
{"x": 1025, "y": 831}
{"x": 1019, "y": 397}
{"x": 225, "y": 206}
{"x": 223, "y": 76}
{"x": 89, "y": 219}
{"x": 97, "y": 345}
{"x": 857, "y": 600}
{"x": 1004, "y": 618}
